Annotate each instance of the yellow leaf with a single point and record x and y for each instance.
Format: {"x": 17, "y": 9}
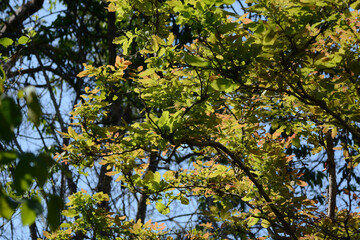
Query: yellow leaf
{"x": 111, "y": 7}
{"x": 112, "y": 173}
{"x": 103, "y": 162}
{"x": 72, "y": 132}
{"x": 117, "y": 61}
{"x": 83, "y": 73}
{"x": 119, "y": 178}
{"x": 301, "y": 183}
{"x": 334, "y": 132}
{"x": 171, "y": 38}
{"x": 46, "y": 234}
{"x": 246, "y": 20}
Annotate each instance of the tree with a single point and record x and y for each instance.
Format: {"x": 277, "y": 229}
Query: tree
{"x": 47, "y": 57}
{"x": 263, "y": 105}
{"x": 42, "y": 57}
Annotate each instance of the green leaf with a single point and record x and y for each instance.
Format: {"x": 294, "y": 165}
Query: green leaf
{"x": 270, "y": 38}
{"x": 228, "y": 2}
{"x": 169, "y": 175}
{"x": 149, "y": 176}
{"x": 2, "y": 79}
{"x": 7, "y": 206}
{"x": 164, "y": 119}
{"x": 222, "y": 2}
{"x": 65, "y": 225}
{"x": 355, "y": 5}
{"x": 6, "y": 41}
{"x": 248, "y": 197}
{"x": 55, "y": 205}
{"x": 296, "y": 142}
{"x": 224, "y": 213}
{"x": 157, "y": 177}
{"x": 72, "y": 133}
{"x": 29, "y": 210}
{"x": 228, "y": 27}
{"x": 10, "y": 118}
{"x": 252, "y": 221}
{"x": 162, "y": 208}
{"x": 7, "y": 158}
{"x": 23, "y": 173}
{"x": 11, "y": 111}
{"x": 33, "y": 104}
{"x": 40, "y": 167}
{"x": 196, "y": 61}
{"x": 184, "y": 200}
{"x": 222, "y": 84}
{"x": 155, "y": 45}
{"x": 70, "y": 213}
{"x": 147, "y": 72}
{"x": 23, "y": 40}
{"x": 265, "y": 223}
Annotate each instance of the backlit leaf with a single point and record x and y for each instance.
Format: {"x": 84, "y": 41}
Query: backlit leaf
{"x": 29, "y": 210}
{"x": 23, "y": 40}
{"x": 222, "y": 84}
{"x": 196, "y": 61}
{"x": 6, "y": 41}
{"x": 162, "y": 208}
{"x": 252, "y": 221}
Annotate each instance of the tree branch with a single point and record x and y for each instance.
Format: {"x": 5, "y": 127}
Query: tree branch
{"x": 15, "y": 21}
{"x": 218, "y": 146}
{"x": 329, "y": 144}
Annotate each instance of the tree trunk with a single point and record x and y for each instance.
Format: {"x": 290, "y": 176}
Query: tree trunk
{"x": 332, "y": 176}
{"x": 33, "y": 234}
{"x": 141, "y": 211}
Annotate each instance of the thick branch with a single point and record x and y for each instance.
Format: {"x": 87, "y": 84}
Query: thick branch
{"x": 15, "y": 21}
{"x": 33, "y": 234}
{"x": 111, "y": 37}
{"x": 34, "y": 70}
{"x": 332, "y": 176}
{"x": 322, "y": 104}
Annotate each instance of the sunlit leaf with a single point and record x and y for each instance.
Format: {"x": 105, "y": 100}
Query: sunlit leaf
{"x": 23, "y": 40}
{"x": 222, "y": 84}
{"x": 6, "y": 41}
{"x": 162, "y": 208}
{"x": 252, "y": 221}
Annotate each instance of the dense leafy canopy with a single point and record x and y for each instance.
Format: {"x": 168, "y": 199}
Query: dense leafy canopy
{"x": 254, "y": 116}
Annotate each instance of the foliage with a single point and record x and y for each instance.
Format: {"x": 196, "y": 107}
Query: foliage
{"x": 101, "y": 224}
{"x": 24, "y": 169}
{"x": 241, "y": 97}
{"x": 253, "y": 104}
